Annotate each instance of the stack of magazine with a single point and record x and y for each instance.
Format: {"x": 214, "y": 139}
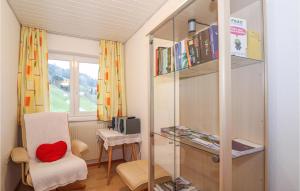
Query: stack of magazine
{"x": 180, "y": 184}
{"x": 176, "y": 131}
{"x": 240, "y": 147}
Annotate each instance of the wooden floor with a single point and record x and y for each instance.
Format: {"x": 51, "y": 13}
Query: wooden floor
{"x": 97, "y": 180}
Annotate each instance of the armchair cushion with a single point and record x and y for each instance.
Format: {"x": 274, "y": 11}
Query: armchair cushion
{"x": 48, "y": 176}
{"x": 19, "y": 155}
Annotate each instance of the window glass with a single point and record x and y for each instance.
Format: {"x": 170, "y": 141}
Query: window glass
{"x": 88, "y": 75}
{"x": 59, "y": 85}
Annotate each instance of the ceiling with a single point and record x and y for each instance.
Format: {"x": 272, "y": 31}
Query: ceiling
{"x": 92, "y": 19}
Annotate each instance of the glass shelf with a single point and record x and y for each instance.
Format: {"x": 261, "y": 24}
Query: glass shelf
{"x": 210, "y": 143}
{"x": 212, "y": 67}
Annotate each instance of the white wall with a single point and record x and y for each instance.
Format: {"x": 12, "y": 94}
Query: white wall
{"x": 283, "y": 61}
{"x": 10, "y": 35}
{"x": 66, "y": 44}
{"x": 137, "y": 69}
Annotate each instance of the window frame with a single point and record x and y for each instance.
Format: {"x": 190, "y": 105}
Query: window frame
{"x": 74, "y": 112}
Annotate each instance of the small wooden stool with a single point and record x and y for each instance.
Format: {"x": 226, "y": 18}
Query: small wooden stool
{"x": 135, "y": 174}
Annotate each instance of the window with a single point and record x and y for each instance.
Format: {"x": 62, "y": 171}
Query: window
{"x": 73, "y": 84}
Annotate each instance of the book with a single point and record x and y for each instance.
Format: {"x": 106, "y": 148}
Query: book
{"x": 191, "y": 52}
{"x": 204, "y": 43}
{"x": 183, "y": 59}
{"x": 177, "y": 56}
{"x": 169, "y": 66}
{"x": 164, "y": 61}
{"x": 197, "y": 49}
{"x": 186, "y": 46}
{"x": 254, "y": 50}
{"x": 238, "y": 34}
{"x": 156, "y": 63}
{"x": 214, "y": 41}
{"x": 160, "y": 60}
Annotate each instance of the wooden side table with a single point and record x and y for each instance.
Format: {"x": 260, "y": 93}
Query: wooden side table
{"x": 108, "y": 139}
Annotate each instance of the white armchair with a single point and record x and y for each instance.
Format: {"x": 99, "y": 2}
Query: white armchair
{"x": 43, "y": 128}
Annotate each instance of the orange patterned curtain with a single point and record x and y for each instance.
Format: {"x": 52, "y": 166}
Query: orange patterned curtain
{"x": 110, "y": 87}
{"x": 33, "y": 72}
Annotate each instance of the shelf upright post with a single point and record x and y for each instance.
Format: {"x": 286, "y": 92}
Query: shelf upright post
{"x": 151, "y": 124}
{"x": 266, "y": 110}
{"x": 225, "y": 96}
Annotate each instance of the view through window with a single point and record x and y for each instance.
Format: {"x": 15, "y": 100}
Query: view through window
{"x": 59, "y": 85}
{"x": 88, "y": 75}
{"x": 73, "y": 85}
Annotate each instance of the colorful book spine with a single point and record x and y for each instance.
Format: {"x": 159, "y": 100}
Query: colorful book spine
{"x": 205, "y": 49}
{"x": 186, "y": 44}
{"x": 214, "y": 41}
{"x": 165, "y": 61}
{"x": 176, "y": 55}
{"x": 192, "y": 52}
{"x": 172, "y": 59}
{"x": 197, "y": 49}
{"x": 160, "y": 55}
{"x": 169, "y": 68}
{"x": 180, "y": 56}
{"x": 156, "y": 63}
{"x": 184, "y": 58}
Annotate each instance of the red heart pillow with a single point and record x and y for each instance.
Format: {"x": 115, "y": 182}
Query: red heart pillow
{"x": 51, "y": 152}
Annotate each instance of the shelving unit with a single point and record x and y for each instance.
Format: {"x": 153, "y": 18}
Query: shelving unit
{"x": 219, "y": 104}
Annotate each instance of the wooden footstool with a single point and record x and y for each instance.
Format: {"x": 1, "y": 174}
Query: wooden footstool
{"x": 135, "y": 174}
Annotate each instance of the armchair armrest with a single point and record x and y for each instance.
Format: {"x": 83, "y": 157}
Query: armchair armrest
{"x": 78, "y": 147}
{"x": 19, "y": 155}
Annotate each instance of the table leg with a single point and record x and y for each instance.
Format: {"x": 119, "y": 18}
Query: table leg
{"x": 100, "y": 152}
{"x": 123, "y": 150}
{"x": 133, "y": 152}
{"x": 109, "y": 164}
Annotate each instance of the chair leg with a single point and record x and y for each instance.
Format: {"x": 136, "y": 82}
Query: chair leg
{"x": 133, "y": 152}
{"x": 123, "y": 150}
{"x": 100, "y": 152}
{"x": 109, "y": 164}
